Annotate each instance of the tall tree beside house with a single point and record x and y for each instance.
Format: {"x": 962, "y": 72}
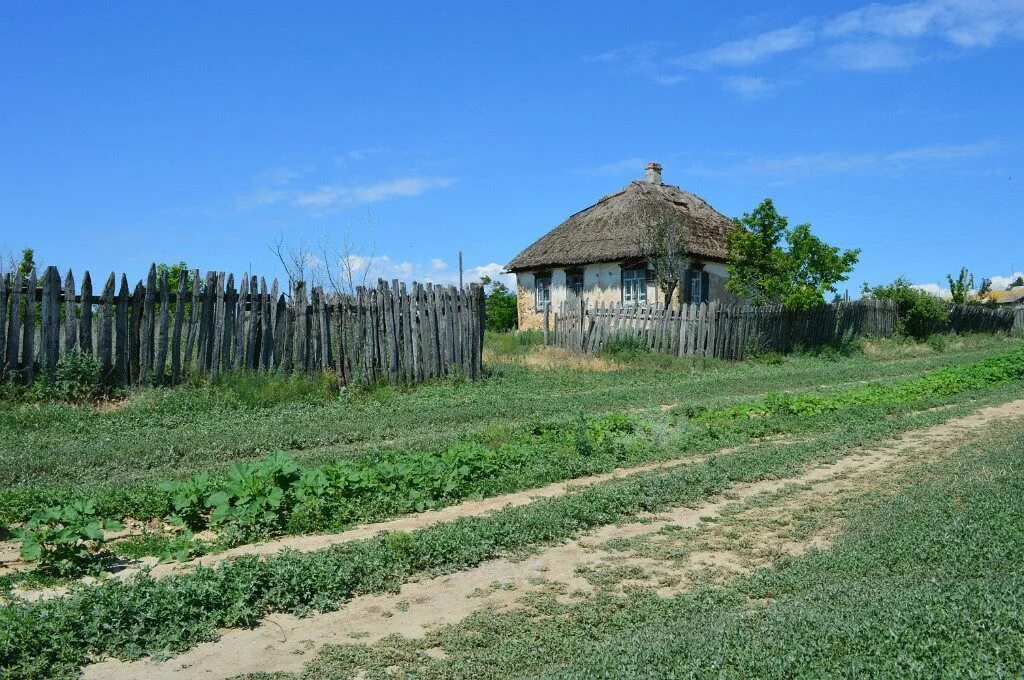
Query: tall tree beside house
{"x": 770, "y": 262}
{"x": 661, "y": 236}
{"x": 501, "y": 306}
{"x": 1016, "y": 283}
{"x": 960, "y": 286}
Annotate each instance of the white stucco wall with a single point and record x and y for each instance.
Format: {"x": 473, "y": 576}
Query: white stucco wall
{"x": 601, "y": 284}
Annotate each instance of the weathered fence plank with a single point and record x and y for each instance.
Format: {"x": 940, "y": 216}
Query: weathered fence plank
{"x": 28, "y": 338}
{"x": 121, "y": 374}
{"x": 70, "y": 323}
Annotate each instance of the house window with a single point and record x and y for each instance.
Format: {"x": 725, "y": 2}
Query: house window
{"x": 697, "y": 286}
{"x": 574, "y": 282}
{"x": 541, "y": 291}
{"x": 634, "y": 286}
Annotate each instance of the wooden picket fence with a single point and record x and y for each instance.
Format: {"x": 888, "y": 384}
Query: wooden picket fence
{"x": 729, "y": 331}
{"x": 152, "y": 335}
{"x": 977, "y": 319}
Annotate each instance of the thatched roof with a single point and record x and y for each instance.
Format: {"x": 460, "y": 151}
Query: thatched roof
{"x": 614, "y": 228}
{"x": 1014, "y": 296}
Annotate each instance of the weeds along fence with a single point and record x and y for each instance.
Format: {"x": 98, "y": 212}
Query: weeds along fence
{"x": 729, "y": 331}
{"x": 153, "y": 335}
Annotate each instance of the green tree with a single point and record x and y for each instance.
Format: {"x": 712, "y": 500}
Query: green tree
{"x": 28, "y": 262}
{"x": 985, "y": 288}
{"x": 960, "y": 286}
{"x": 175, "y": 274}
{"x": 920, "y": 312}
{"x": 1017, "y": 282}
{"x": 501, "y": 307}
{"x": 770, "y": 262}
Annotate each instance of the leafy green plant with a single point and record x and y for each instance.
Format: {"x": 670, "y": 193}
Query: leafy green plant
{"x": 189, "y": 499}
{"x": 254, "y": 498}
{"x": 500, "y": 305}
{"x": 920, "y": 312}
{"x": 66, "y": 541}
{"x": 960, "y": 286}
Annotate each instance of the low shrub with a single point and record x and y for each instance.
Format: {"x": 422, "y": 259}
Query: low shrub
{"x": 920, "y": 312}
{"x": 66, "y": 541}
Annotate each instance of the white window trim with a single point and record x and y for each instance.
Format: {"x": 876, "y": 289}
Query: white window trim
{"x": 634, "y": 281}
{"x": 538, "y": 305}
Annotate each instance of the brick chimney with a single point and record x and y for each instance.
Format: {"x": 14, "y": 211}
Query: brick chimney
{"x": 654, "y": 172}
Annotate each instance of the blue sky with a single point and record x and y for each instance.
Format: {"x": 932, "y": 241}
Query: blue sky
{"x": 202, "y": 132}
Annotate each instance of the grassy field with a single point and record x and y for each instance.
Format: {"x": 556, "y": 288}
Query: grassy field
{"x": 729, "y": 421}
{"x": 925, "y": 583}
{"x": 157, "y": 434}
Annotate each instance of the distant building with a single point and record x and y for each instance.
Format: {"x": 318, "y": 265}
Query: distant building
{"x": 603, "y": 253}
{"x": 1007, "y": 298}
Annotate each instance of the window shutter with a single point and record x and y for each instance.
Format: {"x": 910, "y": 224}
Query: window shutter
{"x": 687, "y": 287}
{"x": 705, "y": 280}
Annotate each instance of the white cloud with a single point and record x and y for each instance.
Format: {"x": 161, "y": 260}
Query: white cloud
{"x": 752, "y": 50}
{"x": 1001, "y": 282}
{"x": 494, "y": 271}
{"x": 356, "y": 263}
{"x": 935, "y": 289}
{"x": 748, "y": 87}
{"x": 438, "y": 263}
{"x": 965, "y": 23}
{"x": 331, "y": 197}
{"x": 334, "y": 196}
{"x": 873, "y": 37}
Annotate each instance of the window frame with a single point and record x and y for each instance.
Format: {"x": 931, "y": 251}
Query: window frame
{"x": 539, "y": 279}
{"x": 633, "y": 283}
{"x": 571, "y": 277}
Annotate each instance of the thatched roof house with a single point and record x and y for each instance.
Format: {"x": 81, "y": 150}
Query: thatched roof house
{"x": 602, "y": 253}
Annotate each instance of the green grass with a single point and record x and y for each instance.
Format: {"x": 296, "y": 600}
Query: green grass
{"x": 274, "y": 496}
{"x": 148, "y": 616}
{"x": 160, "y": 434}
{"x": 927, "y": 583}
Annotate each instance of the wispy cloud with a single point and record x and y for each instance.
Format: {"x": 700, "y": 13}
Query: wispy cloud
{"x": 331, "y": 197}
{"x": 751, "y": 50}
{"x": 965, "y": 23}
{"x": 748, "y": 87}
{"x": 873, "y": 37}
{"x": 871, "y": 55}
{"x": 646, "y": 59}
{"x": 339, "y": 196}
{"x": 798, "y": 166}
